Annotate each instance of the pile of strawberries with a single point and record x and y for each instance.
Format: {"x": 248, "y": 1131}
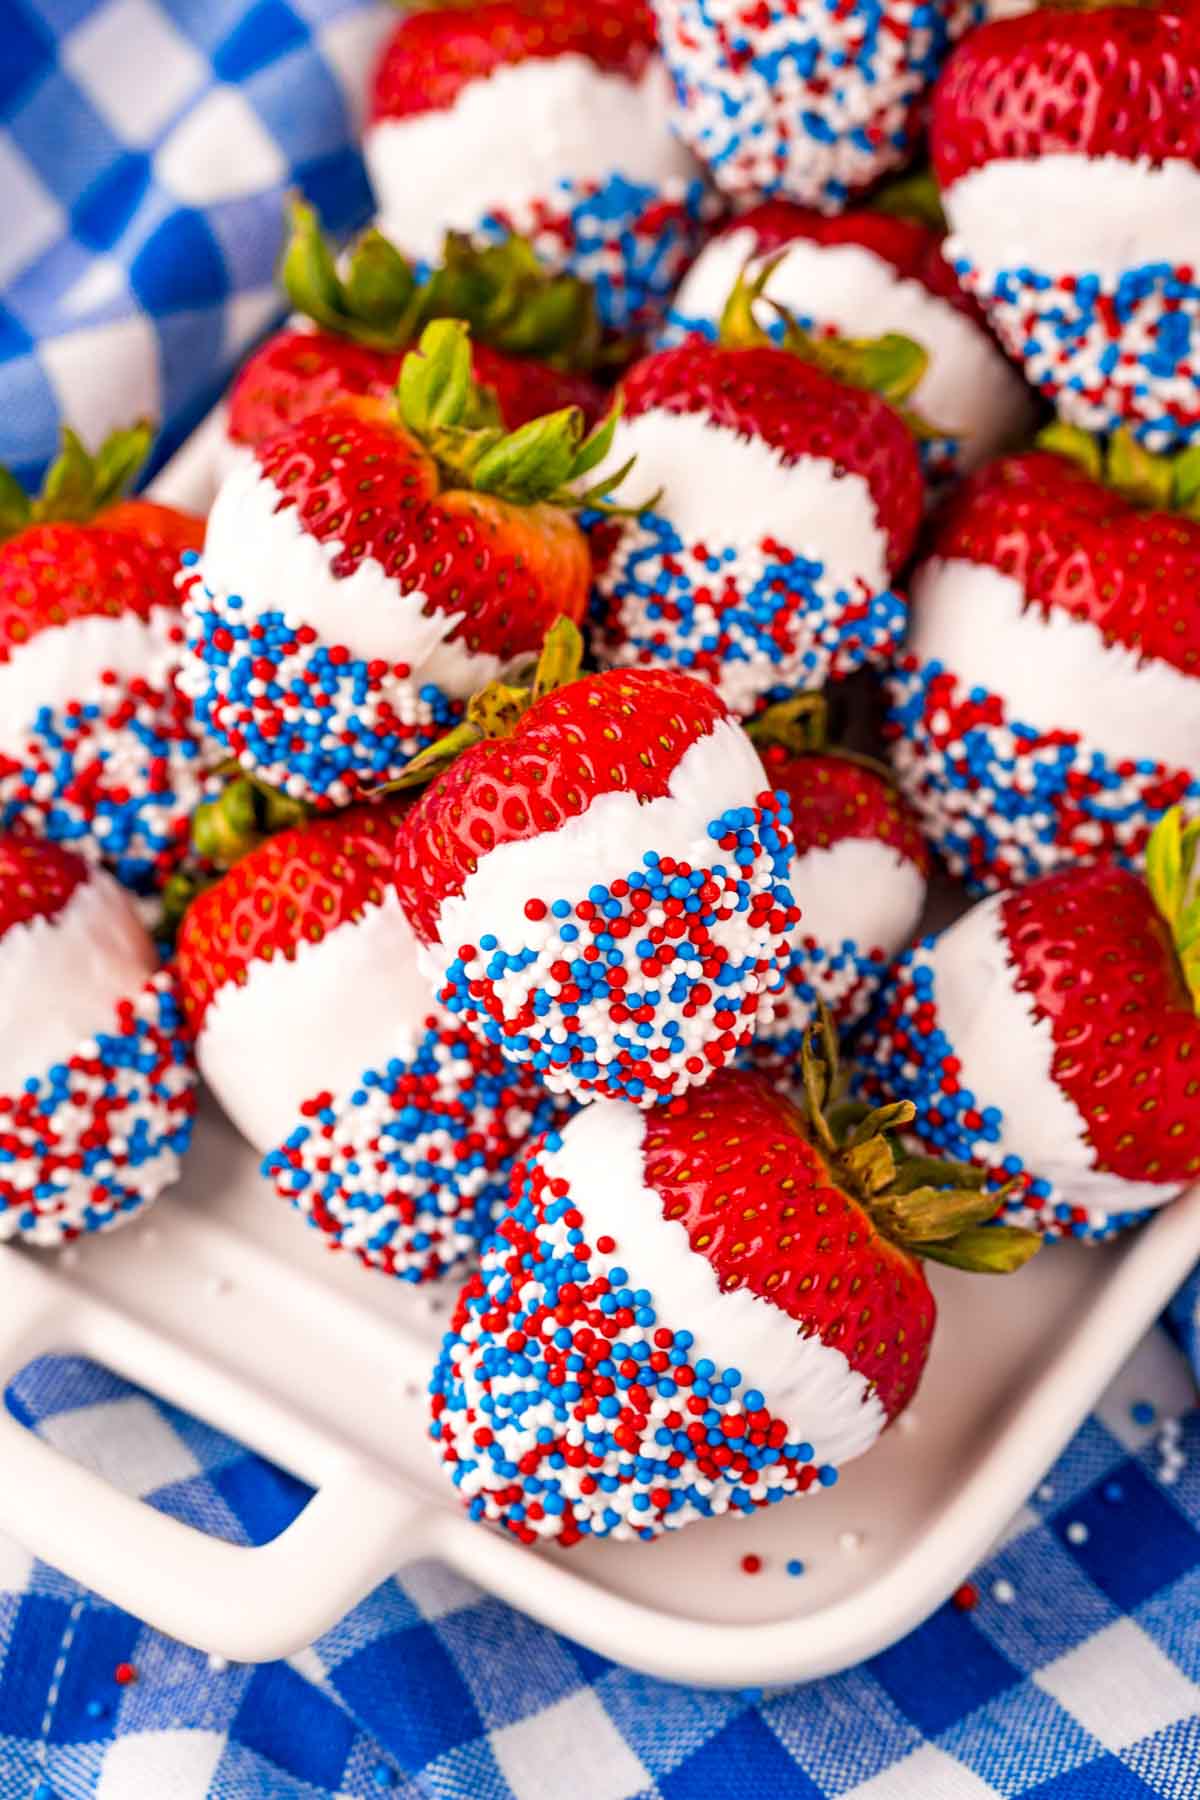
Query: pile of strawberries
{"x": 477, "y": 765}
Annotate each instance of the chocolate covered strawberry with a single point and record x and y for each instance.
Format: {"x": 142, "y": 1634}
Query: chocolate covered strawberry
{"x": 789, "y": 500}
{"x": 97, "y": 745}
{"x": 535, "y": 336}
{"x": 803, "y": 99}
{"x": 859, "y": 877}
{"x": 855, "y": 276}
{"x": 547, "y": 118}
{"x": 1067, "y": 146}
{"x": 372, "y": 565}
{"x": 379, "y": 1116}
{"x": 1047, "y": 707}
{"x": 697, "y": 1310}
{"x": 96, "y": 1078}
{"x": 600, "y": 877}
{"x": 1050, "y": 1036}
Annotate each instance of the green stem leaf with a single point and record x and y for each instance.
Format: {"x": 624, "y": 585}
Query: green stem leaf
{"x": 986, "y": 1249}
{"x": 915, "y": 196}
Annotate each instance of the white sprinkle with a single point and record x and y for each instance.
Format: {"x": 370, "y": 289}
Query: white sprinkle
{"x": 850, "y": 1541}
{"x": 1046, "y": 1491}
{"x": 218, "y": 1664}
{"x": 1003, "y": 1592}
{"x": 1077, "y": 1532}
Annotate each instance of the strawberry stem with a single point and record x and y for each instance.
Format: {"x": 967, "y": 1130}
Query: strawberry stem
{"x": 914, "y": 196}
{"x": 801, "y": 725}
{"x": 1171, "y": 878}
{"x": 507, "y": 297}
{"x": 891, "y": 366}
{"x": 242, "y": 816}
{"x": 1161, "y": 483}
{"x": 496, "y": 710}
{"x": 930, "y": 1208}
{"x": 543, "y": 462}
{"x": 77, "y": 485}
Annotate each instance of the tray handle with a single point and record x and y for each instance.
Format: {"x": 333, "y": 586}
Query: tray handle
{"x": 228, "y": 1599}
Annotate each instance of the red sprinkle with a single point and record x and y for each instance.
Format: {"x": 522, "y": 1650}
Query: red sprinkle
{"x": 966, "y": 1598}
{"x": 751, "y": 1564}
{"x": 124, "y": 1673}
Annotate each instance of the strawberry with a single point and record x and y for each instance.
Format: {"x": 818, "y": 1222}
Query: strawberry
{"x": 536, "y": 336}
{"x": 1067, "y": 146}
{"x": 1050, "y": 1037}
{"x": 1046, "y": 707}
{"x": 97, "y": 746}
{"x": 599, "y": 876}
{"x": 392, "y": 1128}
{"x": 369, "y": 567}
{"x": 96, "y": 1080}
{"x": 697, "y": 1310}
{"x": 789, "y": 500}
{"x": 802, "y": 99}
{"x": 866, "y": 272}
{"x": 859, "y": 877}
{"x": 548, "y": 118}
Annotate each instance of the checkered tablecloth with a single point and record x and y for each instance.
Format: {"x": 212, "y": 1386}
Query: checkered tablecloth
{"x": 1076, "y": 1676}
{"x": 144, "y": 149}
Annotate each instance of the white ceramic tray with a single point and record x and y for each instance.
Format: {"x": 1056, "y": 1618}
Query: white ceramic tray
{"x": 222, "y": 1302}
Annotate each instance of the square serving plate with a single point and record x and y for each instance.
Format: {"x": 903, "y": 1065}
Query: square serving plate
{"x": 220, "y": 1301}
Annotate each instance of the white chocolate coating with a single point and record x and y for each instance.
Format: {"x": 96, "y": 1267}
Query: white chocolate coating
{"x": 969, "y": 391}
{"x": 1053, "y": 672}
{"x": 61, "y": 977}
{"x": 263, "y": 554}
{"x": 1007, "y": 1055}
{"x": 808, "y": 1384}
{"x": 516, "y": 135}
{"x": 604, "y": 843}
{"x": 734, "y": 490}
{"x": 298, "y": 1028}
{"x": 1074, "y": 215}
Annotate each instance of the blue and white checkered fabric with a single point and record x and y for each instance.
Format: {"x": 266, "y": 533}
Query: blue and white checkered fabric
{"x": 145, "y": 148}
{"x": 1076, "y": 1677}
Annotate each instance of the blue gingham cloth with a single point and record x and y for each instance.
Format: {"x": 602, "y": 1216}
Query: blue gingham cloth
{"x": 1076, "y": 1676}
{"x": 144, "y": 149}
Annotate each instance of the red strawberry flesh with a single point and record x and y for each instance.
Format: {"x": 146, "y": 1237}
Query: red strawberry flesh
{"x": 619, "y": 732}
{"x": 773, "y": 396}
{"x": 36, "y": 879}
{"x": 736, "y": 1165}
{"x": 294, "y": 889}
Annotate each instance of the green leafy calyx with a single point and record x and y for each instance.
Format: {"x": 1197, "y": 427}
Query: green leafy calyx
{"x": 914, "y": 195}
{"x": 546, "y": 460}
{"x": 1163, "y": 483}
{"x": 77, "y": 485}
{"x": 1171, "y": 877}
{"x": 891, "y": 366}
{"x": 243, "y": 815}
{"x": 938, "y": 1210}
{"x": 496, "y": 710}
{"x": 511, "y": 302}
{"x": 801, "y": 725}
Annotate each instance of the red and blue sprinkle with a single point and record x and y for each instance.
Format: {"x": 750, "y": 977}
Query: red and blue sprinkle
{"x": 565, "y": 1408}
{"x": 88, "y": 1142}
